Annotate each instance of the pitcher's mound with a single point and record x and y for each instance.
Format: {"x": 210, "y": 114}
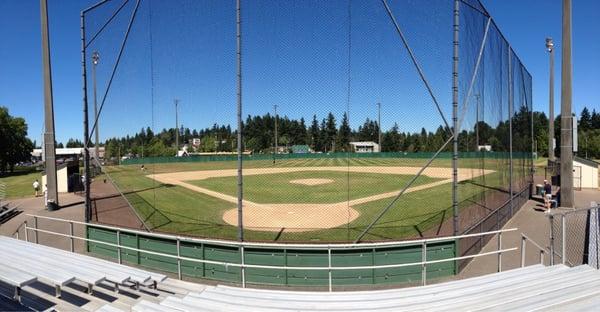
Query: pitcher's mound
{"x": 292, "y": 217}
{"x": 312, "y": 181}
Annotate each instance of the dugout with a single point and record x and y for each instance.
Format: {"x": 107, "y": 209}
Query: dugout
{"x": 68, "y": 179}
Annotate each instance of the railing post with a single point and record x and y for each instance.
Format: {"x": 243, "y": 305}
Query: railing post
{"x": 26, "y": 230}
{"x": 330, "y": 279}
{"x": 178, "y": 258}
{"x": 17, "y": 233}
{"x": 523, "y": 250}
{"x": 71, "y": 234}
{"x": 551, "y": 220}
{"x": 119, "y": 247}
{"x": 542, "y": 257}
{"x": 423, "y": 264}
{"x": 243, "y": 267}
{"x": 564, "y": 241}
{"x": 35, "y": 232}
{"x": 499, "y": 253}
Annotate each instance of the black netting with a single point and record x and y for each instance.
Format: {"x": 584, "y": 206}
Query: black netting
{"x": 347, "y": 119}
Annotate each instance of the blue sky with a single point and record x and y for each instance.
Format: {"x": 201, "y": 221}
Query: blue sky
{"x": 289, "y": 60}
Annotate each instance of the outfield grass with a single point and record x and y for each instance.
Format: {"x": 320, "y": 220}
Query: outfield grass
{"x": 277, "y": 189}
{"x": 175, "y": 209}
{"x": 19, "y": 183}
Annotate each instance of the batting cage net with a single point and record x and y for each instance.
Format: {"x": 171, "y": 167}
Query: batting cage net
{"x": 312, "y": 121}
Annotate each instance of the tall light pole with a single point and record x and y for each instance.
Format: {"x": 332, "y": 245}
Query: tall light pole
{"x": 95, "y": 59}
{"x": 379, "y": 124}
{"x": 566, "y": 114}
{"x": 276, "y": 142}
{"x": 550, "y": 49}
{"x": 176, "y": 127}
{"x": 49, "y": 137}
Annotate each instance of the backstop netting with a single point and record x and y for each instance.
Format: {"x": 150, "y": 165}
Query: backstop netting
{"x": 347, "y": 119}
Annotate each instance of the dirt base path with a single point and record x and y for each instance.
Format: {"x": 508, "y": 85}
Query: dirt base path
{"x": 303, "y": 217}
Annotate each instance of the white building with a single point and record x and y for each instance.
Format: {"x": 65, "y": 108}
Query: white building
{"x": 585, "y": 173}
{"x": 365, "y": 147}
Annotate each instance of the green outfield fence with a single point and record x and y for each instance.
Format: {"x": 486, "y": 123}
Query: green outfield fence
{"x": 277, "y": 256}
{"x": 384, "y": 155}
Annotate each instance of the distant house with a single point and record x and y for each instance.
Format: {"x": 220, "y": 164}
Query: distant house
{"x": 365, "y": 147}
{"x": 300, "y": 149}
{"x": 484, "y": 148}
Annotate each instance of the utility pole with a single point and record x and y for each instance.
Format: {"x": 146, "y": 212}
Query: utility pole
{"x": 276, "y": 143}
{"x": 550, "y": 49}
{"x": 566, "y": 115}
{"x": 478, "y": 97}
{"x": 176, "y": 127}
{"x": 49, "y": 137}
{"x": 95, "y": 59}
{"x": 379, "y": 124}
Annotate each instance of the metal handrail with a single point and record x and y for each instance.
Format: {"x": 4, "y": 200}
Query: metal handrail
{"x": 280, "y": 245}
{"x": 524, "y": 239}
{"x": 242, "y": 265}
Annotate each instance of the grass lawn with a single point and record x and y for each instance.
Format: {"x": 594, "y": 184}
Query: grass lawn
{"x": 175, "y": 209}
{"x": 19, "y": 183}
{"x": 277, "y": 189}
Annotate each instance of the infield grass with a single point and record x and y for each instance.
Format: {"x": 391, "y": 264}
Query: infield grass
{"x": 277, "y": 188}
{"x": 175, "y": 209}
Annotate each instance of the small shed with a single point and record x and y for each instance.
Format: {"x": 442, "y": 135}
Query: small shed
{"x": 585, "y": 173}
{"x": 365, "y": 147}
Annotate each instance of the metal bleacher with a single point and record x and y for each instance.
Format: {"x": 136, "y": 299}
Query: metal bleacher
{"x": 536, "y": 287}
{"x": 532, "y": 288}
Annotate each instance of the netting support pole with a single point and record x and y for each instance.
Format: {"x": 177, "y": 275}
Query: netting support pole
{"x": 455, "y": 119}
{"x": 510, "y": 127}
{"x": 566, "y": 119}
{"x": 86, "y": 135}
{"x": 240, "y": 182}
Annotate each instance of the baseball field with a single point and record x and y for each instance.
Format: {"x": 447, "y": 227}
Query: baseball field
{"x": 316, "y": 199}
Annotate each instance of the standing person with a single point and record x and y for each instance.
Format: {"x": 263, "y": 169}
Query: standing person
{"x": 547, "y": 195}
{"x": 46, "y": 195}
{"x": 36, "y": 187}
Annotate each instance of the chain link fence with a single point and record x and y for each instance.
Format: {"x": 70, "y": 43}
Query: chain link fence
{"x": 319, "y": 121}
{"x": 574, "y": 236}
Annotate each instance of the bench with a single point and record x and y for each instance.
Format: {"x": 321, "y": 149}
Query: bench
{"x": 7, "y": 212}
{"x": 16, "y": 278}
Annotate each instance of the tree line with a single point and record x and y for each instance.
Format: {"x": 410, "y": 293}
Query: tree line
{"x": 325, "y": 135}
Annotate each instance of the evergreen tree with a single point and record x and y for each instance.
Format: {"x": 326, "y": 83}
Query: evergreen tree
{"x": 315, "y": 134}
{"x": 343, "y": 140}
{"x": 595, "y": 119}
{"x": 331, "y": 130}
{"x": 585, "y": 120}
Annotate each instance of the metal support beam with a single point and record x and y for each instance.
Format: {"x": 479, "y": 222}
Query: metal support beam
{"x": 240, "y": 185}
{"x": 49, "y": 137}
{"x": 566, "y": 119}
{"x": 510, "y": 127}
{"x": 86, "y": 133}
{"x": 455, "y": 53}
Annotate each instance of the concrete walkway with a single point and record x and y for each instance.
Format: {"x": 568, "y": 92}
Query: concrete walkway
{"x": 72, "y": 208}
{"x": 531, "y": 221}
